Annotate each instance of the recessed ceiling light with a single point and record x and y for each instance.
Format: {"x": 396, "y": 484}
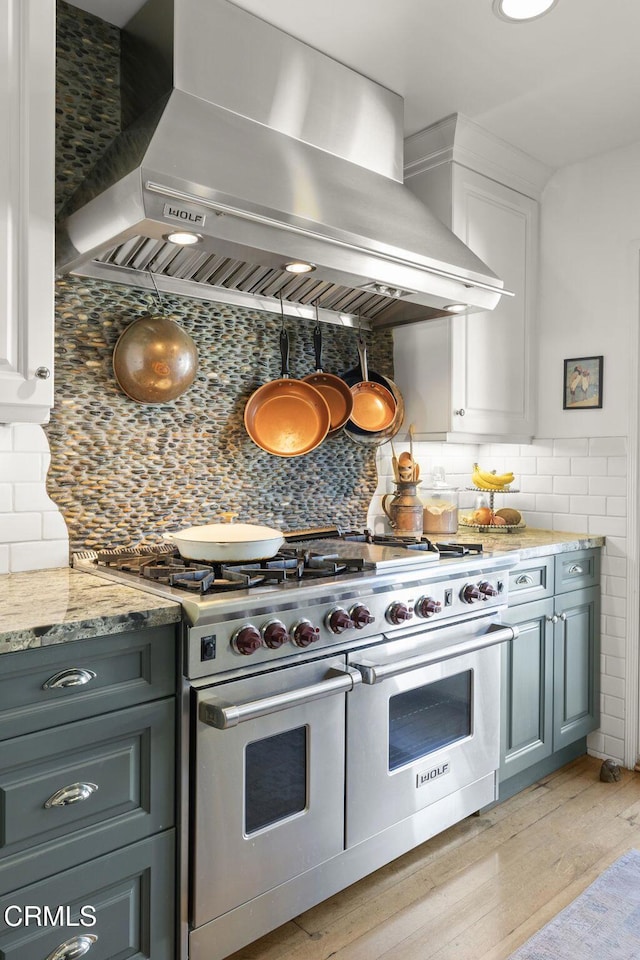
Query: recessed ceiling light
{"x": 298, "y": 266}
{"x": 455, "y": 307}
{"x": 517, "y": 11}
{"x": 183, "y": 238}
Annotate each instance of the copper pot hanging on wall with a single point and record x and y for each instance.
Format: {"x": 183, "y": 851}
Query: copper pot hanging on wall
{"x": 155, "y": 360}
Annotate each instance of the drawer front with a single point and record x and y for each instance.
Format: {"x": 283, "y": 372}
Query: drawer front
{"x": 531, "y": 580}
{"x": 576, "y": 570}
{"x": 129, "y": 894}
{"x": 70, "y": 794}
{"x": 49, "y": 686}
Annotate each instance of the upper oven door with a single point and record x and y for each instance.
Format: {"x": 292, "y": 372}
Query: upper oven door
{"x": 269, "y": 781}
{"x": 423, "y": 724}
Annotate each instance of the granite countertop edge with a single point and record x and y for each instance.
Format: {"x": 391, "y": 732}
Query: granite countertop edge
{"x": 45, "y": 607}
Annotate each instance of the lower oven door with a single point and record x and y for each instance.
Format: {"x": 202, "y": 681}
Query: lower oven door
{"x": 423, "y": 724}
{"x": 269, "y": 781}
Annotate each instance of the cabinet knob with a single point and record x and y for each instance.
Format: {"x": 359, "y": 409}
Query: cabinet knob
{"x": 562, "y": 616}
{"x": 75, "y": 948}
{"x": 43, "y": 373}
{"x": 73, "y": 793}
{"x": 73, "y": 677}
{"x": 460, "y": 413}
{"x": 552, "y": 619}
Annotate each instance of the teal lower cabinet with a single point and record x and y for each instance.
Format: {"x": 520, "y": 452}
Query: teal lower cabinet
{"x": 551, "y": 671}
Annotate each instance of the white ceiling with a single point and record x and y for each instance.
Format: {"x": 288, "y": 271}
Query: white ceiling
{"x": 561, "y": 88}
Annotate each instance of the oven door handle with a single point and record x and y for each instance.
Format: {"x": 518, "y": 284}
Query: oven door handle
{"x": 221, "y": 714}
{"x": 376, "y": 672}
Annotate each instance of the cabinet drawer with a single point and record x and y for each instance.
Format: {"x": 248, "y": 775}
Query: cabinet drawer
{"x": 531, "y": 580}
{"x": 576, "y": 570}
{"x": 93, "y": 676}
{"x": 129, "y": 892}
{"x": 70, "y": 794}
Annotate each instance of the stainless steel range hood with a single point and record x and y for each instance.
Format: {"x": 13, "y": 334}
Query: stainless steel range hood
{"x": 270, "y": 152}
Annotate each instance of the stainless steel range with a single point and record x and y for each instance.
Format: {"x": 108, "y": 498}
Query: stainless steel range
{"x": 341, "y": 706}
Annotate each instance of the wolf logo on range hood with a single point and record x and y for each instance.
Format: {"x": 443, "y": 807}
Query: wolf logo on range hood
{"x": 267, "y": 152}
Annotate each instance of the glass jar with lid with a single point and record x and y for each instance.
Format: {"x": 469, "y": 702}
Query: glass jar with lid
{"x": 440, "y": 505}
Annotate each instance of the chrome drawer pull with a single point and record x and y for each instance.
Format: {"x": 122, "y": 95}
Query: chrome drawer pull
{"x": 74, "y": 793}
{"x": 75, "y": 948}
{"x": 72, "y": 677}
{"x": 575, "y": 568}
{"x": 524, "y": 580}
{"x": 220, "y": 714}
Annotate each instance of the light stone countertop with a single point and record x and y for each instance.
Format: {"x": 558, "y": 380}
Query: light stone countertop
{"x": 43, "y": 607}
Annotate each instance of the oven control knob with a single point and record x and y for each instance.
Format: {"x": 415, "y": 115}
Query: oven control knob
{"x": 470, "y": 593}
{"x": 487, "y": 589}
{"x": 304, "y": 633}
{"x": 274, "y": 634}
{"x": 246, "y": 640}
{"x": 360, "y": 616}
{"x": 427, "y": 607}
{"x": 338, "y": 620}
{"x": 398, "y": 613}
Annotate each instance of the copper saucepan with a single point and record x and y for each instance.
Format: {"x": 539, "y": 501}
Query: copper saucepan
{"x": 335, "y": 391}
{"x": 154, "y": 360}
{"x": 374, "y": 406}
{"x": 287, "y": 417}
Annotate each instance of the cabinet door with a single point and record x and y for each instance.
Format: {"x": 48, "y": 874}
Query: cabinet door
{"x": 27, "y": 118}
{"x": 527, "y": 689}
{"x": 491, "y": 387}
{"x": 576, "y": 666}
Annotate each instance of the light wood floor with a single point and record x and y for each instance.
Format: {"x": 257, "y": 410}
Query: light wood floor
{"x": 479, "y": 890}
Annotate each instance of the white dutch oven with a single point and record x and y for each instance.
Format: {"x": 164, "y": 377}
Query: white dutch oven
{"x": 220, "y": 542}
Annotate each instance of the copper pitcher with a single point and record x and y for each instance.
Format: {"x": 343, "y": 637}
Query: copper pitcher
{"x": 404, "y": 510}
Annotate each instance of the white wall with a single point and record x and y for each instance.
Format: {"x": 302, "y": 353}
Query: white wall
{"x": 33, "y": 534}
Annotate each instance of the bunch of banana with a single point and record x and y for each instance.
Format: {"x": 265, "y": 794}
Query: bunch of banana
{"x": 490, "y": 481}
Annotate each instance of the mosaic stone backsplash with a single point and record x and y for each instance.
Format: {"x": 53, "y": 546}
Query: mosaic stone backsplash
{"x": 121, "y": 471}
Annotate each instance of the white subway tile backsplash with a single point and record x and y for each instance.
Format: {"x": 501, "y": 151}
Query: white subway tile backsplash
{"x": 614, "y": 586}
{"x": 552, "y": 503}
{"x": 613, "y": 606}
{"x": 536, "y": 484}
{"x": 30, "y": 438}
{"x": 612, "y": 727}
{"x": 588, "y": 505}
{"x": 617, "y": 506}
{"x": 4, "y": 558}
{"x": 572, "y": 485}
{"x": 608, "y": 446}
{"x": 539, "y": 448}
{"x": 589, "y": 466}
{"x": 608, "y": 526}
{"x": 614, "y": 707}
{"x": 612, "y": 646}
{"x": 615, "y": 626}
{"x": 617, "y": 466}
{"x": 613, "y": 748}
{"x": 543, "y": 521}
{"x": 571, "y": 447}
{"x": 614, "y": 566}
{"x": 552, "y": 466}
{"x": 39, "y": 556}
{"x": 15, "y": 467}
{"x": 32, "y": 496}
{"x": 6, "y": 437}
{"x": 6, "y": 497}
{"x": 570, "y": 523}
{"x": 20, "y": 526}
{"x": 595, "y": 744}
{"x": 608, "y": 486}
{"x": 614, "y": 667}
{"x": 612, "y": 686}
{"x": 53, "y": 526}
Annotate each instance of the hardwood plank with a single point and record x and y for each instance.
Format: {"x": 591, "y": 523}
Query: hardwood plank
{"x": 478, "y": 890}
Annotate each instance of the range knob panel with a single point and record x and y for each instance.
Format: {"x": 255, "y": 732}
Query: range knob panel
{"x": 427, "y": 607}
{"x": 361, "y": 616}
{"x": 303, "y": 633}
{"x": 338, "y": 620}
{"x": 246, "y": 640}
{"x": 275, "y": 634}
{"x": 398, "y": 612}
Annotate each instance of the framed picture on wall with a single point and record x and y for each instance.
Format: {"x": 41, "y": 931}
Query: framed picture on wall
{"x": 582, "y": 383}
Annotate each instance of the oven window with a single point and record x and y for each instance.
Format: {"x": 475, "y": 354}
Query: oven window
{"x": 428, "y": 718}
{"x": 275, "y": 772}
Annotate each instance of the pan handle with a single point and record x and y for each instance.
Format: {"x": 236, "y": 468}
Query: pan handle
{"x": 362, "y": 353}
{"x": 317, "y": 347}
{"x": 284, "y": 353}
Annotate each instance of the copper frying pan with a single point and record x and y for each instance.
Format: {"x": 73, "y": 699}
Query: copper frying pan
{"x": 287, "y": 417}
{"x": 335, "y": 391}
{"x": 374, "y": 406}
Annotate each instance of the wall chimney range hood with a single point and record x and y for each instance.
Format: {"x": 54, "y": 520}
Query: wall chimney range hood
{"x": 269, "y": 152}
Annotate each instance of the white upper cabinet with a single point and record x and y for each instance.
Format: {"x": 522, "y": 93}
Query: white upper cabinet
{"x": 27, "y": 120}
{"x": 470, "y": 378}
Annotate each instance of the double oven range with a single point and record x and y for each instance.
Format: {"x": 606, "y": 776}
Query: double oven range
{"x": 340, "y": 706}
